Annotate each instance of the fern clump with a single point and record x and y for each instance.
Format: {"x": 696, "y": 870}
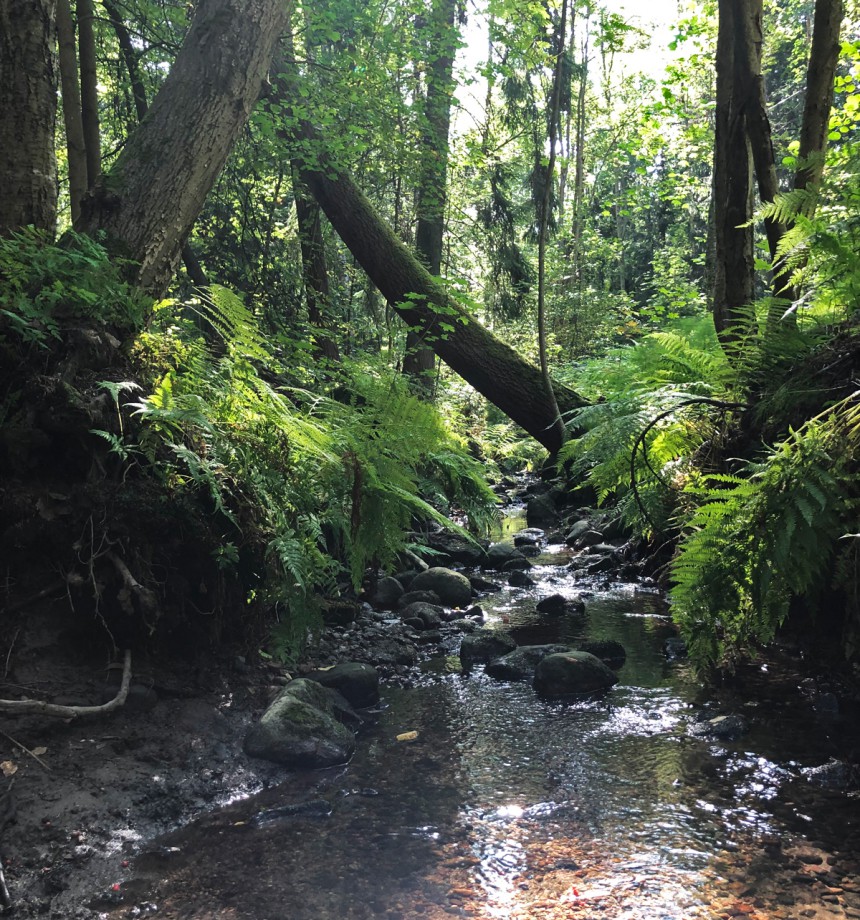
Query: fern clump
{"x": 758, "y": 539}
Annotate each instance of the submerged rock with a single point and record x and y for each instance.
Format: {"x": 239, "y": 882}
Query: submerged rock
{"x": 357, "y": 682}
{"x": 720, "y": 728}
{"x": 452, "y": 588}
{"x": 428, "y": 615}
{"x": 484, "y": 645}
{"x": 520, "y": 664}
{"x": 569, "y": 673}
{"x": 303, "y": 728}
{"x": 837, "y": 774}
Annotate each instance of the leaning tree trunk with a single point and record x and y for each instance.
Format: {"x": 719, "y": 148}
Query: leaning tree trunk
{"x": 443, "y": 33}
{"x": 492, "y": 367}
{"x": 148, "y": 201}
{"x": 28, "y": 111}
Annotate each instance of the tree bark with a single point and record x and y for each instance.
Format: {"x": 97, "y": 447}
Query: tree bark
{"x": 152, "y": 195}
{"x": 89, "y": 89}
{"x": 72, "y": 119}
{"x": 732, "y": 183}
{"x": 419, "y": 360}
{"x": 492, "y": 367}
{"x": 28, "y": 112}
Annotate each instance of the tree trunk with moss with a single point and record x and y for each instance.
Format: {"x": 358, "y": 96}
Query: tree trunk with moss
{"x": 148, "y": 201}
{"x": 28, "y": 112}
{"x": 491, "y": 366}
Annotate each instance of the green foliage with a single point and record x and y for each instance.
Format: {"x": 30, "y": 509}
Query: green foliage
{"x": 305, "y": 487}
{"x": 663, "y": 379}
{"x": 46, "y": 289}
{"x": 757, "y": 539}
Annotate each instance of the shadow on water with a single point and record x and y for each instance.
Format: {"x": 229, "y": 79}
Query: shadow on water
{"x": 510, "y": 806}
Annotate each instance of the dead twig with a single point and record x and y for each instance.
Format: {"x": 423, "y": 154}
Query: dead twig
{"x": 39, "y": 707}
{"x": 7, "y": 813}
{"x": 26, "y": 750}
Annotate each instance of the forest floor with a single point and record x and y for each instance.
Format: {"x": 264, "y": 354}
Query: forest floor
{"x": 85, "y": 793}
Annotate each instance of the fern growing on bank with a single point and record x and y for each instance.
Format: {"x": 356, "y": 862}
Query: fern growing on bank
{"x": 756, "y": 540}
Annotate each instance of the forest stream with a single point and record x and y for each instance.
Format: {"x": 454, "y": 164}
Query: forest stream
{"x": 503, "y": 805}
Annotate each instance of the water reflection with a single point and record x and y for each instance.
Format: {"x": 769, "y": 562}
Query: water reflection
{"x": 510, "y": 806}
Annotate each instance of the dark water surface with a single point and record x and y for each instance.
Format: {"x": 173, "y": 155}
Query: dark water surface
{"x": 509, "y": 806}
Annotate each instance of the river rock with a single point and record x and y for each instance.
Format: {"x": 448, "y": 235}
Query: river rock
{"x": 465, "y": 625}
{"x": 519, "y": 579}
{"x": 485, "y": 645}
{"x": 429, "y": 615}
{"x": 452, "y": 588}
{"x": 302, "y": 728}
{"x": 610, "y": 652}
{"x": 500, "y": 554}
{"x": 576, "y": 531}
{"x": 542, "y": 510}
{"x": 483, "y": 586}
{"x": 720, "y": 728}
{"x": 837, "y": 774}
{"x": 530, "y": 537}
{"x": 558, "y": 604}
{"x": 568, "y": 673}
{"x": 388, "y": 592}
{"x": 413, "y": 597}
{"x": 456, "y": 548}
{"x": 520, "y": 664}
{"x": 589, "y": 538}
{"x": 357, "y": 682}
{"x": 338, "y": 612}
{"x": 530, "y": 550}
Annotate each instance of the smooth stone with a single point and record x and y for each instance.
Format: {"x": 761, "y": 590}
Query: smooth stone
{"x": 569, "y": 673}
{"x": 429, "y": 615}
{"x": 388, "y": 592}
{"x": 558, "y": 604}
{"x": 484, "y": 645}
{"x": 453, "y": 588}
{"x": 589, "y": 538}
{"x": 520, "y": 664}
{"x": 521, "y": 580}
{"x": 576, "y": 531}
{"x": 609, "y": 651}
{"x": 721, "y": 728}
{"x": 412, "y": 597}
{"x": 499, "y": 554}
{"x": 483, "y": 586}
{"x": 357, "y": 682}
{"x": 542, "y": 509}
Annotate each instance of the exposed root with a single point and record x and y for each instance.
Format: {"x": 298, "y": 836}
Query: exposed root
{"x": 38, "y": 707}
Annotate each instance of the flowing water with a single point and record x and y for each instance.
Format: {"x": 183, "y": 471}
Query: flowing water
{"x": 509, "y": 806}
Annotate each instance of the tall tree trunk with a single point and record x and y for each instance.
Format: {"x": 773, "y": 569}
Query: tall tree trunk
{"x": 152, "y": 195}
{"x": 492, "y": 367}
{"x": 732, "y": 183}
{"x": 544, "y": 209}
{"x": 72, "y": 119}
{"x": 442, "y": 36}
{"x": 28, "y": 112}
{"x": 89, "y": 89}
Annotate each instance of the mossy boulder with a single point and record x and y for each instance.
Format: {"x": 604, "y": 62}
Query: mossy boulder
{"x": 303, "y": 728}
{"x": 452, "y": 588}
{"x": 357, "y": 682}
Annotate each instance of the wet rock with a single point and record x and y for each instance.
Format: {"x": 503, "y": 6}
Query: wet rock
{"x": 520, "y": 664}
{"x": 558, "y": 604}
{"x": 555, "y": 536}
{"x": 388, "y": 592}
{"x": 609, "y": 651}
{"x": 604, "y": 549}
{"x": 541, "y": 510}
{"x": 837, "y": 774}
{"x": 530, "y": 537}
{"x": 474, "y": 612}
{"x": 517, "y": 565}
{"x": 456, "y": 548}
{"x": 603, "y": 564}
{"x": 428, "y": 615}
{"x": 452, "y": 588}
{"x": 720, "y": 728}
{"x": 483, "y": 586}
{"x": 569, "y": 673}
{"x": 589, "y": 538}
{"x": 464, "y": 625}
{"x": 576, "y": 531}
{"x": 674, "y": 648}
{"x": 521, "y": 580}
{"x": 413, "y": 597}
{"x": 484, "y": 645}
{"x": 303, "y": 728}
{"x": 407, "y": 576}
{"x": 530, "y": 550}
{"x": 500, "y": 554}
{"x": 314, "y": 808}
{"x": 357, "y": 682}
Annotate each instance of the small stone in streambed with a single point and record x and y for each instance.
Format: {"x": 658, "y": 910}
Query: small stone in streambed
{"x": 412, "y": 597}
{"x": 528, "y": 538}
{"x": 357, "y": 682}
{"x": 589, "y": 538}
{"x": 388, "y": 592}
{"x": 720, "y": 728}
{"x": 500, "y": 554}
{"x": 558, "y": 605}
{"x": 520, "y": 564}
{"x": 452, "y": 587}
{"x": 464, "y": 625}
{"x": 520, "y": 664}
{"x": 429, "y": 615}
{"x": 521, "y": 580}
{"x": 576, "y": 531}
{"x": 483, "y": 586}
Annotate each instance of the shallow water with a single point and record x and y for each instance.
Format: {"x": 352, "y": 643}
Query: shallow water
{"x": 509, "y": 806}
